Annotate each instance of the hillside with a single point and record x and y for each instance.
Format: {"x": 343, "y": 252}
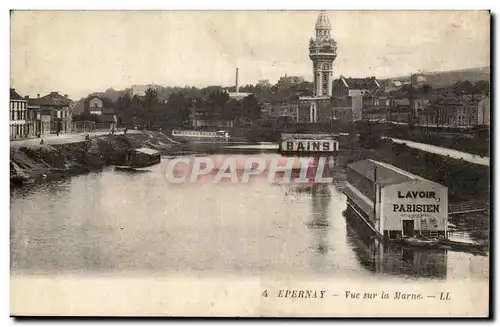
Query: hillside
{"x": 448, "y": 78}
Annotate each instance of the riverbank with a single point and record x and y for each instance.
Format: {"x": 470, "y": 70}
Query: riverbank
{"x": 465, "y": 180}
{"x": 33, "y": 163}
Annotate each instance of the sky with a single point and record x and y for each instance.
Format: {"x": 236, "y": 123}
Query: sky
{"x": 80, "y": 52}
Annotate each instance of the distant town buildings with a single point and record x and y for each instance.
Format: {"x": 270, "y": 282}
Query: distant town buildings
{"x": 452, "y": 110}
{"x": 140, "y": 90}
{"x": 31, "y": 117}
{"x": 18, "y": 115}
{"x": 346, "y": 99}
{"x": 263, "y": 83}
{"x": 483, "y": 111}
{"x": 288, "y": 81}
{"x": 285, "y": 109}
{"x": 418, "y": 80}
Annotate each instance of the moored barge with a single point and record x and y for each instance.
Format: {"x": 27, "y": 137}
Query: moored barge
{"x": 196, "y": 135}
{"x": 394, "y": 204}
{"x": 140, "y": 158}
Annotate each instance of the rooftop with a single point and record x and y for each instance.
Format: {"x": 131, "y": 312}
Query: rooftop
{"x": 51, "y": 99}
{"x": 147, "y": 151}
{"x": 323, "y": 23}
{"x": 367, "y": 83}
{"x": 386, "y": 174}
{"x": 15, "y": 96}
{"x": 238, "y": 95}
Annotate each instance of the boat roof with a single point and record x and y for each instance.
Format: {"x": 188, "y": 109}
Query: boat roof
{"x": 289, "y": 136}
{"x": 146, "y": 151}
{"x": 386, "y": 174}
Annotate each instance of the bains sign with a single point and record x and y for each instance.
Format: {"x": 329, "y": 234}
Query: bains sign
{"x": 309, "y": 146}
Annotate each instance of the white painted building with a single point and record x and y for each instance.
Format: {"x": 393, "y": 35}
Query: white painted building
{"x": 18, "y": 115}
{"x": 394, "y": 203}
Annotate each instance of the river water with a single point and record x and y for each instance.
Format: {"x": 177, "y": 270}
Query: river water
{"x": 117, "y": 222}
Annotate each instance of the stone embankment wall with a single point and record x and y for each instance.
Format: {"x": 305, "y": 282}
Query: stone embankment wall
{"x": 32, "y": 164}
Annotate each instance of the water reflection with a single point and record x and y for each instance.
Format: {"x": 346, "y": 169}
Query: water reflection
{"x": 319, "y": 226}
{"x": 393, "y": 259}
{"x": 119, "y": 222}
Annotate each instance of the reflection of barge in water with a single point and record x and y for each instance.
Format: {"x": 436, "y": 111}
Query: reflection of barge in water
{"x": 395, "y": 204}
{"x": 393, "y": 258}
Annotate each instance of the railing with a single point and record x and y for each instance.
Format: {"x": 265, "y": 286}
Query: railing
{"x": 467, "y": 207}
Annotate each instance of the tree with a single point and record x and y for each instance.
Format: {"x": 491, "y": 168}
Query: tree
{"x": 482, "y": 87}
{"x": 250, "y": 107}
{"x": 178, "y": 110}
{"x": 426, "y": 88}
{"x": 216, "y": 104}
{"x": 465, "y": 87}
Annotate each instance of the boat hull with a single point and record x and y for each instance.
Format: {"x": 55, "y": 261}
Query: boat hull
{"x": 420, "y": 243}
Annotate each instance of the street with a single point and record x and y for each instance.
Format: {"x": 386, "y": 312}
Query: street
{"x": 63, "y": 138}
{"x": 473, "y": 158}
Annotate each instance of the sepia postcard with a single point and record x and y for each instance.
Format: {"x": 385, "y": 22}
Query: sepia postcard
{"x": 250, "y": 163}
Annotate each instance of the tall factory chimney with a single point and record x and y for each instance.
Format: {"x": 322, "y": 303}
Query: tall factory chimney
{"x": 237, "y": 84}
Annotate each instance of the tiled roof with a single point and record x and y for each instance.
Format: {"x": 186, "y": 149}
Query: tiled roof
{"x": 14, "y": 95}
{"x": 386, "y": 174}
{"x": 367, "y": 83}
{"x": 51, "y": 99}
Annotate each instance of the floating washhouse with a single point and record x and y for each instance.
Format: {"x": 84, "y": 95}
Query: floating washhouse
{"x": 295, "y": 143}
{"x": 395, "y": 204}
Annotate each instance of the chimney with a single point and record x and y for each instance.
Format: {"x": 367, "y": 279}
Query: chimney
{"x": 38, "y": 95}
{"x": 65, "y": 95}
{"x": 26, "y": 97}
{"x": 237, "y": 84}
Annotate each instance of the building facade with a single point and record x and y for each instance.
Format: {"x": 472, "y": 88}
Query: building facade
{"x": 95, "y": 105}
{"x": 18, "y": 115}
{"x": 483, "y": 111}
{"x": 356, "y": 91}
{"x": 288, "y": 108}
{"x": 60, "y": 109}
{"x": 460, "y": 111}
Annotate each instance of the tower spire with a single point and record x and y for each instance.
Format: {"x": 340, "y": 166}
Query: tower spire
{"x": 323, "y": 52}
